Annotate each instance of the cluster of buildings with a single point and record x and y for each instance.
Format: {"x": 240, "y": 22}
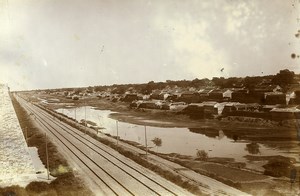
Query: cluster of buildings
{"x": 264, "y": 101}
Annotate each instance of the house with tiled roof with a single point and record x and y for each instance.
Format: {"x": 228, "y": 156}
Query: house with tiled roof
{"x": 219, "y": 94}
{"x": 272, "y": 98}
{"x": 189, "y": 97}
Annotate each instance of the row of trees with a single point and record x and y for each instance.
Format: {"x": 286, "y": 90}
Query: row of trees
{"x": 283, "y": 78}
{"x": 147, "y": 88}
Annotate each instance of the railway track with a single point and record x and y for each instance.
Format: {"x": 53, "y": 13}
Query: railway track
{"x": 114, "y": 173}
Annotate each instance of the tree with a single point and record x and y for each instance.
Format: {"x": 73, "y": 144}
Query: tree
{"x": 252, "y": 148}
{"x": 231, "y": 82}
{"x": 119, "y": 90}
{"x": 77, "y": 91}
{"x": 251, "y": 82}
{"x": 218, "y": 81}
{"x": 202, "y": 155}
{"x": 89, "y": 89}
{"x": 284, "y": 77}
{"x": 157, "y": 142}
{"x": 98, "y": 88}
{"x": 146, "y": 90}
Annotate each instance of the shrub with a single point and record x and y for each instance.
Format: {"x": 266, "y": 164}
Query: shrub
{"x": 38, "y": 187}
{"x": 278, "y": 168}
{"x": 202, "y": 155}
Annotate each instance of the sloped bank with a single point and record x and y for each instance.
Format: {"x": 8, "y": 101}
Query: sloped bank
{"x": 15, "y": 160}
{"x": 66, "y": 183}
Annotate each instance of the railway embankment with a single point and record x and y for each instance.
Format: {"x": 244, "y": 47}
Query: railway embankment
{"x": 64, "y": 180}
{"x": 17, "y": 167}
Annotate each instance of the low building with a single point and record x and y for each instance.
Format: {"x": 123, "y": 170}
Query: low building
{"x": 255, "y": 97}
{"x": 267, "y": 88}
{"x": 215, "y": 95}
{"x": 164, "y": 105}
{"x": 148, "y": 105}
{"x": 172, "y": 98}
{"x": 146, "y": 97}
{"x": 210, "y": 108}
{"x": 189, "y": 97}
{"x": 129, "y": 98}
{"x": 194, "y": 111}
{"x": 233, "y": 106}
{"x": 177, "y": 106}
{"x": 245, "y": 96}
{"x": 252, "y": 110}
{"x": 140, "y": 96}
{"x": 294, "y": 97}
{"x": 290, "y": 96}
{"x": 240, "y": 95}
{"x": 133, "y": 104}
{"x": 219, "y": 94}
{"x": 273, "y": 98}
{"x": 75, "y": 97}
{"x": 157, "y": 95}
{"x": 285, "y": 113}
{"x": 294, "y": 101}
{"x": 203, "y": 94}
{"x": 268, "y": 108}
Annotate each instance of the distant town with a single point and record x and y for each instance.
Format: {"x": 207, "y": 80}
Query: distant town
{"x": 222, "y": 136}
{"x": 271, "y": 97}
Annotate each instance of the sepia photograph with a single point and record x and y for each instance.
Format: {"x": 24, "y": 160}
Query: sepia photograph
{"x": 149, "y": 97}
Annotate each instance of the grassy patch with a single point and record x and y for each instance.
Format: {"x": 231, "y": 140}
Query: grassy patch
{"x": 205, "y": 172}
{"x": 278, "y": 168}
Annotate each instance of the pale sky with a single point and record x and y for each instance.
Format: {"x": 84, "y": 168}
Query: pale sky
{"x": 72, "y": 43}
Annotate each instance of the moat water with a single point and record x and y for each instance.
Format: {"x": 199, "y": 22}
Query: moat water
{"x": 174, "y": 140}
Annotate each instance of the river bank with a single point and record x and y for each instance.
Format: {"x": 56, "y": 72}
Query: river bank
{"x": 224, "y": 169}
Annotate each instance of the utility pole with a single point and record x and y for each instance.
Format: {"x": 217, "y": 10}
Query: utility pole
{"x": 117, "y": 133}
{"x": 26, "y": 135}
{"x": 75, "y": 113}
{"x": 146, "y": 141}
{"x": 99, "y": 123}
{"x": 85, "y": 124}
{"x": 47, "y": 160}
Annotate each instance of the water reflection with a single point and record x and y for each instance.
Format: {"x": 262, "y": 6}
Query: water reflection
{"x": 221, "y": 134}
{"x": 252, "y": 148}
{"x": 175, "y": 140}
{"x": 214, "y": 133}
{"x": 235, "y": 137}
